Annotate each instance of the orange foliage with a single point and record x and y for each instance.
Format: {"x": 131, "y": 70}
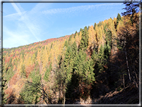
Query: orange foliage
{"x": 29, "y": 69}
{"x": 14, "y": 79}
{"x": 8, "y": 92}
{"x": 7, "y": 59}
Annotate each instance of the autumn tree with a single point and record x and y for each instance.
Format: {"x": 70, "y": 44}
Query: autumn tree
{"x": 94, "y": 26}
{"x": 75, "y": 34}
{"x": 8, "y": 70}
{"x": 127, "y": 37}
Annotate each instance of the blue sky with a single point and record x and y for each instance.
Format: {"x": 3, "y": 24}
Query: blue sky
{"x": 25, "y": 23}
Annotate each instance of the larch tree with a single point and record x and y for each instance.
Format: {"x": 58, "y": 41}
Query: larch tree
{"x": 95, "y": 26}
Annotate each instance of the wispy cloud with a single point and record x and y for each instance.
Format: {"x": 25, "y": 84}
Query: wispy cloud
{"x": 16, "y": 8}
{"x": 78, "y": 8}
{"x": 39, "y": 7}
{"x": 15, "y": 38}
{"x": 34, "y": 24}
{"x": 24, "y": 18}
{"x": 19, "y": 28}
{"x": 13, "y": 16}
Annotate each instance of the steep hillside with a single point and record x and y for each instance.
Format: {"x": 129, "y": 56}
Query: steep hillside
{"x": 83, "y": 66}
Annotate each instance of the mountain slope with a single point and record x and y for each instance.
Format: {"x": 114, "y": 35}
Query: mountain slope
{"x": 87, "y": 64}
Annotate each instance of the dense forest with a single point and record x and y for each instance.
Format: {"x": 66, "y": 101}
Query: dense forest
{"x": 99, "y": 65}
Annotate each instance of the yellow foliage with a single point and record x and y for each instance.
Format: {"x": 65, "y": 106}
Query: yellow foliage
{"x": 39, "y": 57}
{"x": 19, "y": 67}
{"x": 120, "y": 24}
{"x": 44, "y": 59}
{"x": 18, "y": 86}
{"x": 92, "y": 39}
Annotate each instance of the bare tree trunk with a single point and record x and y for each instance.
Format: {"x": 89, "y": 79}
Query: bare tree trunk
{"x": 123, "y": 81}
{"x": 59, "y": 91}
{"x": 41, "y": 82}
{"x": 127, "y": 65}
{"x": 8, "y": 84}
{"x": 64, "y": 97}
{"x": 42, "y": 91}
{"x": 63, "y": 93}
{"x": 136, "y": 78}
{"x": 50, "y": 94}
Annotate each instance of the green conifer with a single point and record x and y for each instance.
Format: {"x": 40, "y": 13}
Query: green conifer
{"x": 118, "y": 18}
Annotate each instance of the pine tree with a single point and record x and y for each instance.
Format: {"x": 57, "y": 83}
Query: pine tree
{"x": 88, "y": 71}
{"x": 32, "y": 90}
{"x": 106, "y": 52}
{"x": 70, "y": 38}
{"x": 46, "y": 75}
{"x": 83, "y": 72}
{"x": 118, "y": 18}
{"x": 75, "y": 34}
{"x": 23, "y": 72}
{"x": 4, "y": 99}
{"x": 66, "y": 43}
{"x": 131, "y": 8}
{"x": 84, "y": 40}
{"x": 94, "y": 56}
{"x": 100, "y": 62}
{"x": 74, "y": 49}
{"x": 109, "y": 38}
{"x": 64, "y": 72}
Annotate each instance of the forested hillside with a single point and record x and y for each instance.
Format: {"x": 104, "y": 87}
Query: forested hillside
{"x": 98, "y": 64}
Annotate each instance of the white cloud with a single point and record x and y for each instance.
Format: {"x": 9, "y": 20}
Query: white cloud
{"x": 38, "y": 7}
{"x": 11, "y": 15}
{"x": 28, "y": 26}
{"x": 25, "y": 32}
{"x": 14, "y": 39}
{"x": 14, "y": 16}
{"x": 16, "y": 8}
{"x": 78, "y": 8}
{"x": 25, "y": 19}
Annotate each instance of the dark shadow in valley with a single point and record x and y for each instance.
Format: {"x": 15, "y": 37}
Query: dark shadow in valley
{"x": 129, "y": 95}
{"x": 77, "y": 89}
{"x": 122, "y": 71}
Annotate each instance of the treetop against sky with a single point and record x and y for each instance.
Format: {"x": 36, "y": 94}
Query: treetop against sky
{"x": 25, "y": 23}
